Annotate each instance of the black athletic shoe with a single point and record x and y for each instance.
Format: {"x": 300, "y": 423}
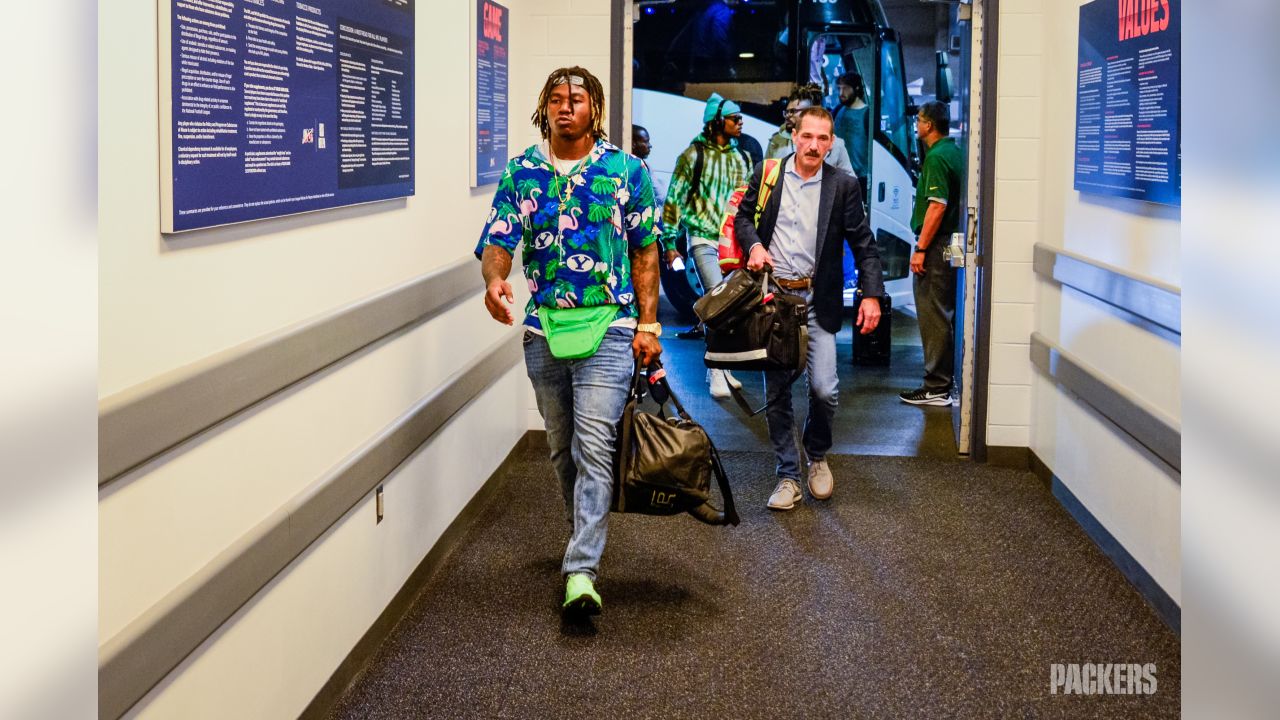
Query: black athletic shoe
{"x": 923, "y": 396}
{"x": 693, "y": 333}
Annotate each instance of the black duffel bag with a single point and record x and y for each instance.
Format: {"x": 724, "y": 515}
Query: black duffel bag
{"x": 663, "y": 465}
{"x": 769, "y": 333}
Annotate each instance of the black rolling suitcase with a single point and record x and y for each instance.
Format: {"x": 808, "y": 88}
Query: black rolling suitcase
{"x": 873, "y": 349}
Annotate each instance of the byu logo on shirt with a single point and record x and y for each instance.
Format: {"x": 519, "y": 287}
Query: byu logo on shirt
{"x": 580, "y": 263}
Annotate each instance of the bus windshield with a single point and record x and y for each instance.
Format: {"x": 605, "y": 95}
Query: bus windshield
{"x": 893, "y": 100}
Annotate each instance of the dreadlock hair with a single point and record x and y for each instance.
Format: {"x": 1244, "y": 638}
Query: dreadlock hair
{"x": 595, "y": 95}
{"x": 811, "y": 92}
{"x": 715, "y": 125}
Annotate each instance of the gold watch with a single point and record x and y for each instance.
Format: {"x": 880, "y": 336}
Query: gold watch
{"x": 655, "y": 328}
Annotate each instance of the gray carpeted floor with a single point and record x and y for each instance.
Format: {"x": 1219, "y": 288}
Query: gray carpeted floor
{"x": 926, "y": 588}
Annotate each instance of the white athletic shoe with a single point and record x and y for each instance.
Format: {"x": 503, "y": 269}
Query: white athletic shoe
{"x": 719, "y": 386}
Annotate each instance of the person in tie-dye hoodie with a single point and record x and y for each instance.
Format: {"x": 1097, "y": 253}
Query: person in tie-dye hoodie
{"x": 706, "y": 174}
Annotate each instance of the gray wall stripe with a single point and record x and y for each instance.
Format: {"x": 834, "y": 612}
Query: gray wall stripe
{"x": 143, "y": 421}
{"x": 1150, "y": 426}
{"x": 1149, "y": 299}
{"x": 140, "y": 655}
{"x": 618, "y": 16}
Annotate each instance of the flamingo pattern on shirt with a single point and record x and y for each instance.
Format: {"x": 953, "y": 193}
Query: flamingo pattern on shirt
{"x": 577, "y": 230}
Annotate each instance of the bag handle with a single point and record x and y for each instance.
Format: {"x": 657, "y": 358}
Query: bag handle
{"x": 659, "y": 390}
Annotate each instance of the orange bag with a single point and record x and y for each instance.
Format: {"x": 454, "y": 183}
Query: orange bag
{"x": 730, "y": 252}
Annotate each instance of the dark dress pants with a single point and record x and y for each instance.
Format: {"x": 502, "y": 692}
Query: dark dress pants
{"x": 935, "y": 294}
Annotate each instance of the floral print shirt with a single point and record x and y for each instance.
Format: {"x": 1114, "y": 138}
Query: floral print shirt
{"x": 577, "y": 229}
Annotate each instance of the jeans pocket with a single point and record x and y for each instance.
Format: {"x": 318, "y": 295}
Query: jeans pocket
{"x": 528, "y": 337}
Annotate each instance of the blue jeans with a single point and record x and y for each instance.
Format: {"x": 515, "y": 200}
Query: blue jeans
{"x": 581, "y": 402}
{"x": 824, "y": 396}
{"x": 707, "y": 259}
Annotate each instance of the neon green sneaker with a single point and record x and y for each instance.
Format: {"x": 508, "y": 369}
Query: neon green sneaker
{"x": 580, "y": 596}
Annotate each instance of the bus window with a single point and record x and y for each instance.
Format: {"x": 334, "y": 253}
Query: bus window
{"x": 893, "y": 99}
{"x": 834, "y": 54}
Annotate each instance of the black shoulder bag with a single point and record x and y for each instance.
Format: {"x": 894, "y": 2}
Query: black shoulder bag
{"x": 663, "y": 465}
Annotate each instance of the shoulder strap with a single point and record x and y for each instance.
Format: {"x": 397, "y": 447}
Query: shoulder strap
{"x": 745, "y": 404}
{"x": 708, "y": 514}
{"x": 695, "y": 184}
{"x": 768, "y": 179}
{"x": 622, "y": 446}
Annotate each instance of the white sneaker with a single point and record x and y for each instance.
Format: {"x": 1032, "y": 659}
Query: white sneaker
{"x": 734, "y": 382}
{"x": 785, "y": 495}
{"x": 719, "y": 386}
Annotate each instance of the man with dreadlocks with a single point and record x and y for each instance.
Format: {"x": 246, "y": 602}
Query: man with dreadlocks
{"x": 584, "y": 211}
{"x": 706, "y": 174}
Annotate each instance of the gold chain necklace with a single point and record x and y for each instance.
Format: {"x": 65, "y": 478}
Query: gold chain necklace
{"x": 566, "y": 190}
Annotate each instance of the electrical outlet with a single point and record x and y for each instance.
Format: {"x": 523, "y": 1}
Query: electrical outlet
{"x": 378, "y": 502}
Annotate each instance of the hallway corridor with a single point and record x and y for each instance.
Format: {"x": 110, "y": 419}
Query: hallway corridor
{"x": 926, "y": 588}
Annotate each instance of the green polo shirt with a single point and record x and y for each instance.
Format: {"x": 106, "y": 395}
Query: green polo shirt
{"x": 942, "y": 176}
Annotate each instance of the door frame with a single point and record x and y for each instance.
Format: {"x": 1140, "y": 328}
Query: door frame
{"x": 975, "y": 370}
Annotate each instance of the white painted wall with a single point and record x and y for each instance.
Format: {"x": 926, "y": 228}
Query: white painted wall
{"x": 1117, "y": 480}
{"x": 168, "y": 301}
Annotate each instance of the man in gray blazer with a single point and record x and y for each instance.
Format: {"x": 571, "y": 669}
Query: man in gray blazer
{"x": 810, "y": 214}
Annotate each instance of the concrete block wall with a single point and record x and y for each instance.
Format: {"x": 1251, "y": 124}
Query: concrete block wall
{"x": 1019, "y": 147}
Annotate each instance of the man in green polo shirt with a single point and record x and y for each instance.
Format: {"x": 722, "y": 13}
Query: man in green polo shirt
{"x": 935, "y": 216}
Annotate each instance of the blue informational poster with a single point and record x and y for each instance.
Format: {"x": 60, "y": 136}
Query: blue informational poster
{"x": 491, "y": 92}
{"x": 1128, "y": 100}
{"x": 272, "y": 108}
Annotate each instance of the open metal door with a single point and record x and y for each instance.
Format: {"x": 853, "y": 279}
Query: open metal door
{"x": 967, "y": 301}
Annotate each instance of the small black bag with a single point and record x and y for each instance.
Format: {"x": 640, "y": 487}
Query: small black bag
{"x": 771, "y": 333}
{"x": 732, "y": 299}
{"x": 663, "y": 465}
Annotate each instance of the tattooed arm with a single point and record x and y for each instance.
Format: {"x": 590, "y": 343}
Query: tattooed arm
{"x": 644, "y": 276}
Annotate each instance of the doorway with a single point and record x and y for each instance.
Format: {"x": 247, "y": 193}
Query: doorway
{"x": 907, "y": 52}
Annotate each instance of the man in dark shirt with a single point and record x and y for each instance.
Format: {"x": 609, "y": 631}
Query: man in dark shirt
{"x": 935, "y": 216}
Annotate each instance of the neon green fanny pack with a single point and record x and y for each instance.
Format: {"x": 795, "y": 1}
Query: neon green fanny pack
{"x": 574, "y": 333}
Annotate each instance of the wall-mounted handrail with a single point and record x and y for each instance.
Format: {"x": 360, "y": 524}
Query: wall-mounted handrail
{"x": 139, "y": 423}
{"x": 1151, "y": 427}
{"x": 153, "y": 644}
{"x": 1147, "y": 298}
